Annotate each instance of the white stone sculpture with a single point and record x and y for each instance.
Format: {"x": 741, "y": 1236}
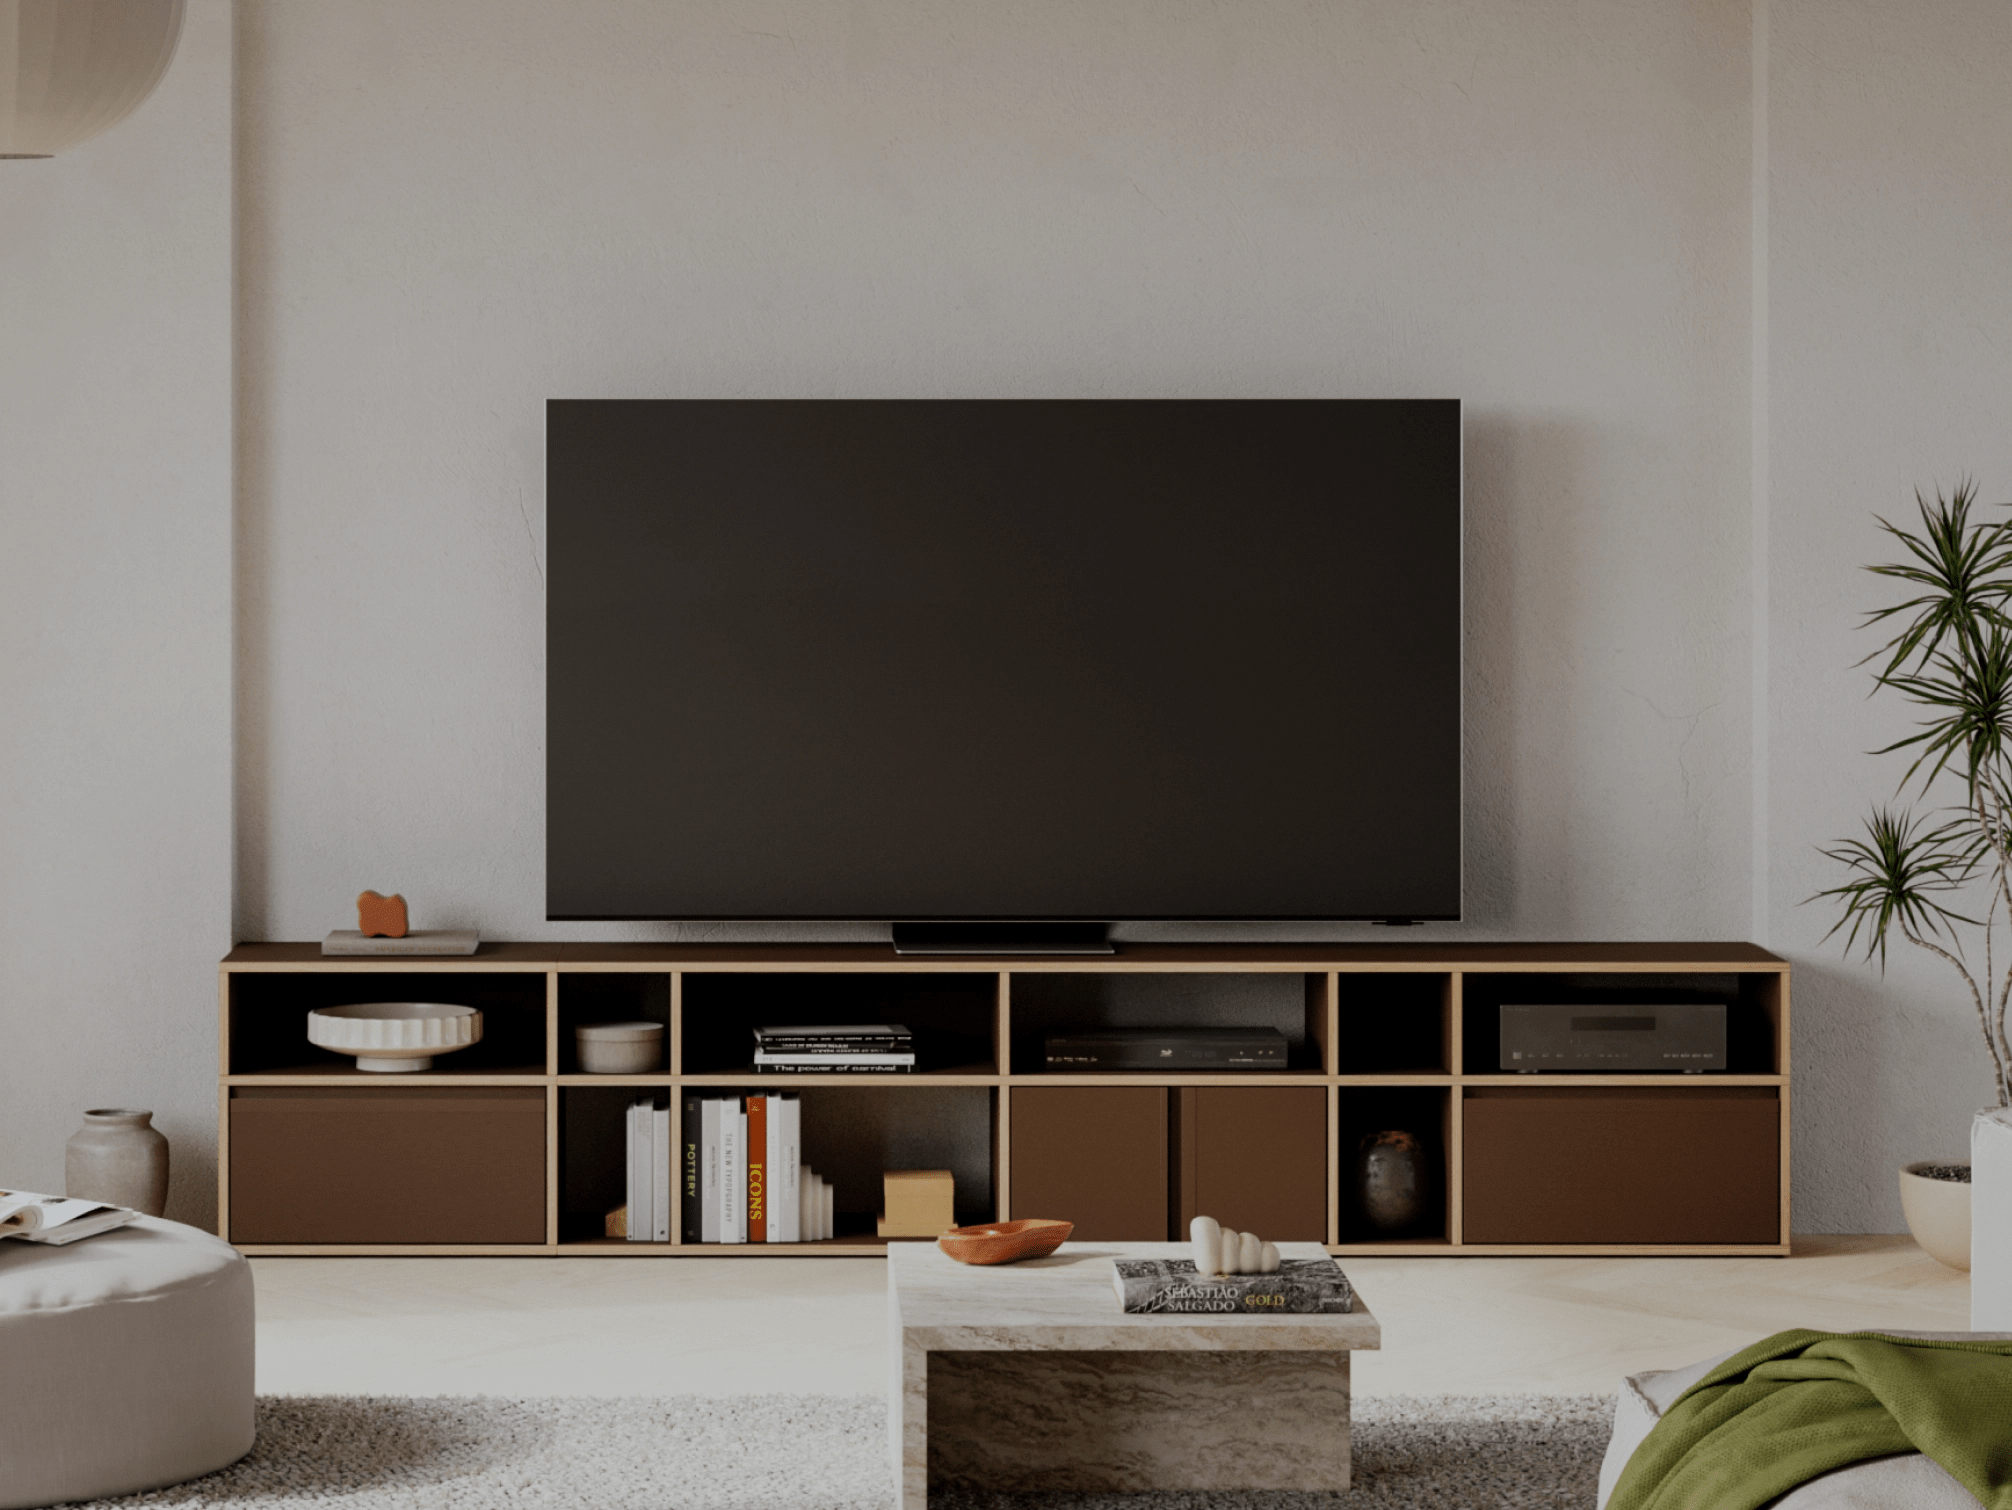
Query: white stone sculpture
{"x": 1218, "y": 1250}
{"x": 1207, "y": 1240}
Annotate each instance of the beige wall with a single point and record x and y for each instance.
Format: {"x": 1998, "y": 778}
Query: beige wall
{"x": 447, "y": 211}
{"x": 1890, "y": 315}
{"x": 457, "y": 209}
{"x": 115, "y": 594}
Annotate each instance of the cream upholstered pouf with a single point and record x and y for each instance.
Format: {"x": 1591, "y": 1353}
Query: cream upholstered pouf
{"x": 125, "y": 1362}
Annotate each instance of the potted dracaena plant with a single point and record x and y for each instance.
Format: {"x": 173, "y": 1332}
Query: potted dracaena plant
{"x": 1944, "y": 877}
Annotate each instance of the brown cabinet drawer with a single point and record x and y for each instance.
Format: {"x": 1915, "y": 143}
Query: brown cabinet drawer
{"x": 390, "y": 1164}
{"x": 1598, "y": 1165}
{"x": 1094, "y": 1155}
{"x": 1254, "y": 1158}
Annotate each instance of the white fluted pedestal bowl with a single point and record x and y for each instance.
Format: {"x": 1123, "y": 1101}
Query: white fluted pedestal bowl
{"x": 393, "y": 1037}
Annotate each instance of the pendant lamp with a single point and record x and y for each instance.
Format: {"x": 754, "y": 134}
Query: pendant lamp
{"x": 72, "y": 68}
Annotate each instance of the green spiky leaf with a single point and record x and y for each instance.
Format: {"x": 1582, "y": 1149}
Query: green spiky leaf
{"x": 1964, "y": 571}
{"x": 1968, "y": 692}
{"x": 1899, "y": 870}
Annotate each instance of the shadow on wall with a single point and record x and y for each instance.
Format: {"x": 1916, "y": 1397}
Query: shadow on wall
{"x": 1523, "y": 608}
{"x": 1872, "y": 1056}
{"x": 1528, "y": 508}
{"x": 253, "y": 402}
{"x": 192, "y": 1171}
{"x": 1540, "y": 858}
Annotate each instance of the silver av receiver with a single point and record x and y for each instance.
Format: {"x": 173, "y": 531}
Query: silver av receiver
{"x": 1591, "y": 1039}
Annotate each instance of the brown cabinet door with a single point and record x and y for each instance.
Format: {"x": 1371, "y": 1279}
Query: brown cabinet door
{"x": 1594, "y": 1165}
{"x": 1255, "y": 1159}
{"x": 1095, "y": 1155}
{"x": 425, "y": 1164}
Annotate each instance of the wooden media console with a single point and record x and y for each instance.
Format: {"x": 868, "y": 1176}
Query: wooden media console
{"x": 507, "y": 1148}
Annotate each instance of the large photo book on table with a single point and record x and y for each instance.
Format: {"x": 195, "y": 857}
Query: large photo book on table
{"x": 1298, "y": 1287}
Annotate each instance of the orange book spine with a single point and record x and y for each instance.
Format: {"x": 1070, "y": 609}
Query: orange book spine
{"x": 757, "y": 1169}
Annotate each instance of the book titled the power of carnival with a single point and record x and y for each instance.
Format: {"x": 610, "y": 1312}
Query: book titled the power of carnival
{"x": 1299, "y": 1287}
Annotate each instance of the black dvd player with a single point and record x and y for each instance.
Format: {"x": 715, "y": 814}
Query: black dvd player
{"x": 1594, "y": 1039}
{"x": 1167, "y": 1049}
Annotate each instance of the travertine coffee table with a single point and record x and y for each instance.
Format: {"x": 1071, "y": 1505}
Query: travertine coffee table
{"x": 1028, "y": 1376}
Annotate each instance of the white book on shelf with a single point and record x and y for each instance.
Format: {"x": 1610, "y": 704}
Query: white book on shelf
{"x": 646, "y": 1132}
{"x": 733, "y": 1173}
{"x": 709, "y": 1169}
{"x": 786, "y": 1060}
{"x": 637, "y": 1231}
{"x": 806, "y": 1218}
{"x": 660, "y": 1168}
{"x": 787, "y": 1157}
{"x": 645, "y": 1137}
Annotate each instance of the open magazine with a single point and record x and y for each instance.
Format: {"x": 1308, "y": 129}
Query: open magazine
{"x": 56, "y": 1219}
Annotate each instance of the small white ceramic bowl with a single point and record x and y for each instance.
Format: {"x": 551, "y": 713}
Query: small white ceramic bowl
{"x": 619, "y": 1048}
{"x": 394, "y": 1037}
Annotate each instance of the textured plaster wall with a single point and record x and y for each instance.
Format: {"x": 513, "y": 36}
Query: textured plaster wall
{"x": 115, "y": 590}
{"x": 447, "y": 211}
{"x": 1890, "y": 318}
{"x": 456, "y": 209}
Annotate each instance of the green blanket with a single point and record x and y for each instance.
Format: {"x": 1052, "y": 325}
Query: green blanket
{"x": 1802, "y": 1403}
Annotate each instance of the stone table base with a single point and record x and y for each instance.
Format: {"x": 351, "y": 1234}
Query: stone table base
{"x": 1123, "y": 1422}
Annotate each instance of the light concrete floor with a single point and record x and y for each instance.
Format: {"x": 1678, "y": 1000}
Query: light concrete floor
{"x": 605, "y": 1326}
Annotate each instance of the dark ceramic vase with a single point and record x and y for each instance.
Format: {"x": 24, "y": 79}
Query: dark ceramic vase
{"x": 1390, "y": 1180}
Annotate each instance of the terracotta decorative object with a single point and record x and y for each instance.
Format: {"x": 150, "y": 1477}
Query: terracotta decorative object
{"x": 1005, "y": 1242}
{"x": 118, "y": 1157}
{"x": 380, "y": 917}
{"x": 1390, "y": 1180}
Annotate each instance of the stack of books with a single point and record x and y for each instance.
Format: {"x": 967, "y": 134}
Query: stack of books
{"x": 743, "y": 1179}
{"x": 882, "y": 1048}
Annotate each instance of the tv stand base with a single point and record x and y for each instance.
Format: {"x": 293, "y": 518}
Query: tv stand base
{"x": 1002, "y": 938}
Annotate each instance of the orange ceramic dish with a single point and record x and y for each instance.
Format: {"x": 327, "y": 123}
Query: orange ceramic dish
{"x": 1005, "y": 1242}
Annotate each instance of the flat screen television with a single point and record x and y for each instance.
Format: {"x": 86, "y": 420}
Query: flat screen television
{"x": 1003, "y": 662}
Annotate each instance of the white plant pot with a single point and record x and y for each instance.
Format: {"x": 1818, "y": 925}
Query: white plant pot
{"x": 1938, "y": 1213}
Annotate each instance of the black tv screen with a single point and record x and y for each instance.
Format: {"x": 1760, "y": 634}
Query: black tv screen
{"x": 1003, "y": 660}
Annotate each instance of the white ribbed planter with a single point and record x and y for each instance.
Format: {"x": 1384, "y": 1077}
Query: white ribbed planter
{"x": 389, "y": 1037}
{"x": 1938, "y": 1213}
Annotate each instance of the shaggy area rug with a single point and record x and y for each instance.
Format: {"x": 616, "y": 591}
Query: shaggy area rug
{"x": 812, "y": 1452}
